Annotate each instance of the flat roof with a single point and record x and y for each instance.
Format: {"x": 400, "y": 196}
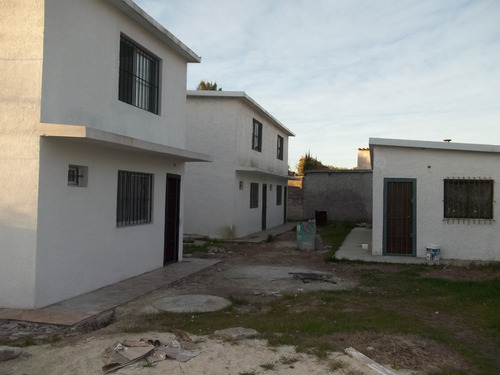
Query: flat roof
{"x": 450, "y": 146}
{"x": 87, "y": 135}
{"x": 245, "y": 98}
{"x": 135, "y": 12}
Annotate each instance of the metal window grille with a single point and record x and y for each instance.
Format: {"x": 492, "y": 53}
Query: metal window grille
{"x": 254, "y": 195}
{"x": 139, "y": 77}
{"x": 134, "y": 199}
{"x": 280, "y": 147}
{"x": 468, "y": 199}
{"x": 257, "y": 136}
{"x": 279, "y": 195}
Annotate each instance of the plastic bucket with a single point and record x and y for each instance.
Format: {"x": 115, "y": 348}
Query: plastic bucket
{"x": 433, "y": 252}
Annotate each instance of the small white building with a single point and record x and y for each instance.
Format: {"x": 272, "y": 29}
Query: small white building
{"x": 92, "y": 147}
{"x": 435, "y": 195}
{"x": 244, "y": 190}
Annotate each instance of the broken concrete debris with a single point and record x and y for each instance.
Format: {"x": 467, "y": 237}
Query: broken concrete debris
{"x": 181, "y": 348}
{"x": 127, "y": 352}
{"x": 237, "y": 333}
{"x": 8, "y": 352}
{"x": 307, "y": 277}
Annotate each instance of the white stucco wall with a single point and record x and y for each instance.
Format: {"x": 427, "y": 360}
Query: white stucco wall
{"x": 81, "y": 70}
{"x": 458, "y": 239}
{"x": 215, "y": 206}
{"x": 21, "y": 43}
{"x": 60, "y": 65}
{"x": 80, "y": 246}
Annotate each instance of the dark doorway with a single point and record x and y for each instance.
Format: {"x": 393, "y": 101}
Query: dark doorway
{"x": 264, "y": 206}
{"x": 285, "y": 203}
{"x": 172, "y": 207}
{"x": 399, "y": 217}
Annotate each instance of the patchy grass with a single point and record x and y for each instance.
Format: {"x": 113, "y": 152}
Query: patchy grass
{"x": 268, "y": 366}
{"x": 333, "y": 234}
{"x": 203, "y": 246}
{"x": 459, "y": 317}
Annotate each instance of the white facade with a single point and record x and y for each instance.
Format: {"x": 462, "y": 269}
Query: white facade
{"x": 59, "y": 107}
{"x": 426, "y": 165}
{"x": 218, "y": 194}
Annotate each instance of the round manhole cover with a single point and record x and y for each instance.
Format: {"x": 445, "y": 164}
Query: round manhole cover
{"x": 191, "y": 303}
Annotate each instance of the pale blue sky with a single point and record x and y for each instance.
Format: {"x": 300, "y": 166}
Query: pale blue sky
{"x": 337, "y": 72}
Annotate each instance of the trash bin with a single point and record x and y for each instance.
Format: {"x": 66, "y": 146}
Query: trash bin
{"x": 306, "y": 234}
{"x": 433, "y": 252}
{"x": 321, "y": 218}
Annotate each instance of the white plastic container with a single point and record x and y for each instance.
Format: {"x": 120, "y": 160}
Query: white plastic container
{"x": 433, "y": 252}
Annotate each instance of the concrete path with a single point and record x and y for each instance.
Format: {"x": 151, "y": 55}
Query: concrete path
{"x": 78, "y": 309}
{"x": 351, "y": 249}
{"x": 85, "y": 306}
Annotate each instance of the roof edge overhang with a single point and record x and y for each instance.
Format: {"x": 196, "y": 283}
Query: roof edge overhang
{"x": 87, "y": 135}
{"x": 257, "y": 171}
{"x": 136, "y": 13}
{"x": 246, "y": 99}
{"x": 431, "y": 145}
{"x": 450, "y": 146}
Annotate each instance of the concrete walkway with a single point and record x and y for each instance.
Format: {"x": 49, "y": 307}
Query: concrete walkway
{"x": 351, "y": 249}
{"x": 90, "y": 305}
{"x": 264, "y": 235}
{"x": 77, "y": 309}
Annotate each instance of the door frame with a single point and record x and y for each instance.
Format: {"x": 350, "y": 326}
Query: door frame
{"x": 171, "y": 232}
{"x": 264, "y": 207}
{"x": 413, "y": 182}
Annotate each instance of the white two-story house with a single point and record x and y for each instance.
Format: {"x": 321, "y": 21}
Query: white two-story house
{"x": 244, "y": 189}
{"x": 92, "y": 147}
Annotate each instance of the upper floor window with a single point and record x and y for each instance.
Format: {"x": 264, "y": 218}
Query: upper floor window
{"x": 468, "y": 198}
{"x": 139, "y": 77}
{"x": 257, "y": 136}
{"x": 280, "y": 147}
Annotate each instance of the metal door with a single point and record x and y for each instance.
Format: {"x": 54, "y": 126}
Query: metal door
{"x": 399, "y": 216}
{"x": 172, "y": 207}
{"x": 264, "y": 206}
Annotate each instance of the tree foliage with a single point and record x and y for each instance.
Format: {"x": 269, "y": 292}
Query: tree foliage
{"x": 205, "y": 85}
{"x": 309, "y": 163}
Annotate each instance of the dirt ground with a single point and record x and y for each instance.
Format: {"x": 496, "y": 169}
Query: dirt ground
{"x": 257, "y": 273}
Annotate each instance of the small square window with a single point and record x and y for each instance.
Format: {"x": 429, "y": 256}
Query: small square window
{"x": 77, "y": 175}
{"x": 254, "y": 195}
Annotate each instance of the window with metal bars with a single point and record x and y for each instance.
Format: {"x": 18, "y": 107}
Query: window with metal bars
{"x": 134, "y": 198}
{"x": 468, "y": 198}
{"x": 279, "y": 195}
{"x": 257, "y": 136}
{"x": 280, "y": 147}
{"x": 139, "y": 77}
{"x": 254, "y": 195}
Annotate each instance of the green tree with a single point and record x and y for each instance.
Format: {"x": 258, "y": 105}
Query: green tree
{"x": 309, "y": 163}
{"x": 205, "y": 85}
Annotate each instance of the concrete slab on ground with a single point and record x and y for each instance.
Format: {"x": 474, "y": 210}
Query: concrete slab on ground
{"x": 191, "y": 303}
{"x": 352, "y": 249}
{"x": 85, "y": 306}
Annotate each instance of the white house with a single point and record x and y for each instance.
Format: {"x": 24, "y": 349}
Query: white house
{"x": 92, "y": 153}
{"x": 244, "y": 190}
{"x": 435, "y": 195}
